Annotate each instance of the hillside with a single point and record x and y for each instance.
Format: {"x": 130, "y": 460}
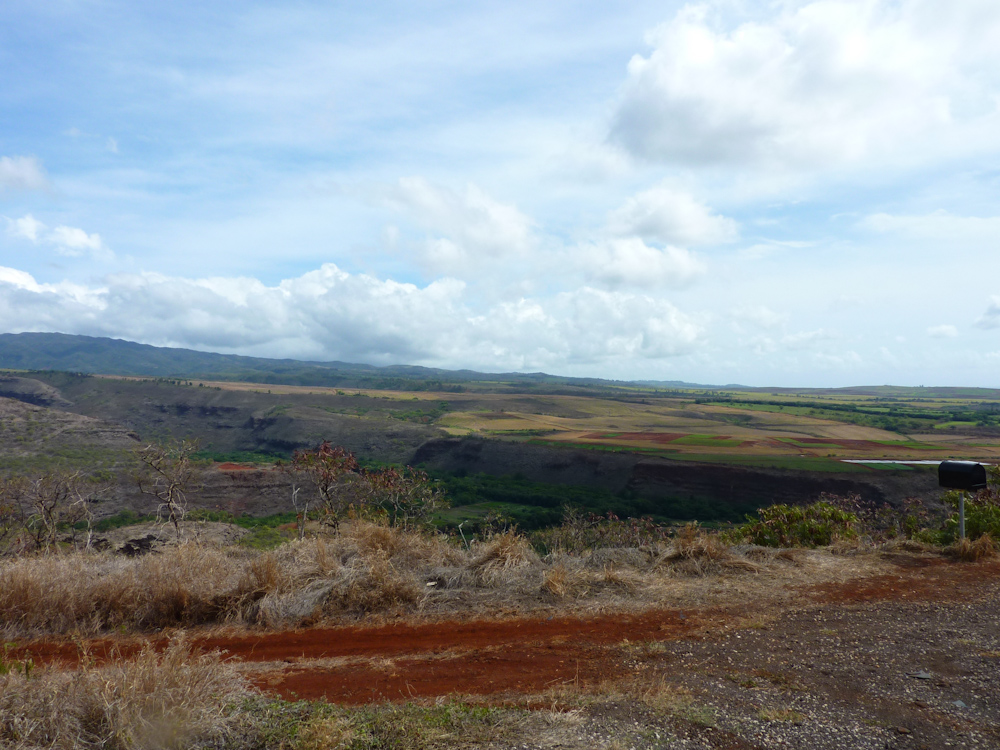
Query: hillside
{"x": 106, "y": 356}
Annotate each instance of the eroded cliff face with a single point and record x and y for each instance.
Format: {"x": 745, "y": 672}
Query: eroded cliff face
{"x": 655, "y": 478}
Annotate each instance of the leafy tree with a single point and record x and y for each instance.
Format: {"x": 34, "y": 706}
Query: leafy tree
{"x": 407, "y": 495}
{"x": 327, "y": 468}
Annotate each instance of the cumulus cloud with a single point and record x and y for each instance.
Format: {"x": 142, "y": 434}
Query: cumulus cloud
{"x": 75, "y": 242}
{"x": 22, "y": 173}
{"x": 68, "y": 241}
{"x": 817, "y": 83}
{"x": 331, "y": 314}
{"x": 991, "y": 318}
{"x": 942, "y": 332}
{"x": 671, "y": 217}
{"x": 27, "y": 227}
{"x": 468, "y": 225}
{"x": 631, "y": 262}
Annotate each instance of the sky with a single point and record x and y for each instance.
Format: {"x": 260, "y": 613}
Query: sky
{"x": 782, "y": 193}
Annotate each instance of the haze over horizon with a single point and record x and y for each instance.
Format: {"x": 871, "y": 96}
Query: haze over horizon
{"x": 794, "y": 193}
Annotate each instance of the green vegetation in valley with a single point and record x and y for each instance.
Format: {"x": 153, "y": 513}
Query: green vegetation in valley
{"x": 881, "y": 413}
{"x": 536, "y": 505}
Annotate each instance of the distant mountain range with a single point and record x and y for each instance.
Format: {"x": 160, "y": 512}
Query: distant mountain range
{"x": 106, "y": 356}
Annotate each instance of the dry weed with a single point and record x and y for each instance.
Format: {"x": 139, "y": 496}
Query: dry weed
{"x": 407, "y": 547}
{"x": 496, "y": 559}
{"x": 906, "y": 545}
{"x": 782, "y": 714}
{"x": 984, "y": 547}
{"x": 562, "y": 581}
{"x": 375, "y": 587}
{"x": 696, "y": 552}
{"x": 624, "y": 580}
{"x": 325, "y": 733}
{"x": 666, "y": 697}
{"x": 848, "y": 545}
{"x": 152, "y": 702}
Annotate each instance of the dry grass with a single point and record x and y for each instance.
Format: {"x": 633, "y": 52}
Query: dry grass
{"x": 697, "y": 552}
{"x": 370, "y": 570}
{"x": 984, "y": 547}
{"x": 154, "y": 701}
{"x": 782, "y": 714}
{"x": 497, "y": 561}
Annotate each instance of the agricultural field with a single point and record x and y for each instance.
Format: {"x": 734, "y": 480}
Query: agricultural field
{"x": 741, "y": 427}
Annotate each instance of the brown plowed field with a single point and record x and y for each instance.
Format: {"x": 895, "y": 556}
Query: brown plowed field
{"x": 517, "y": 657}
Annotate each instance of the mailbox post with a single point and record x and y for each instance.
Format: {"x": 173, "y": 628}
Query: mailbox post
{"x": 964, "y": 476}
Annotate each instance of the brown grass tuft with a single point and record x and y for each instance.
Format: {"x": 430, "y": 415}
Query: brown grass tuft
{"x": 496, "y": 559}
{"x": 325, "y": 733}
{"x": 692, "y": 543}
{"x": 984, "y": 547}
{"x": 696, "y": 552}
{"x": 375, "y": 587}
{"x": 152, "y": 702}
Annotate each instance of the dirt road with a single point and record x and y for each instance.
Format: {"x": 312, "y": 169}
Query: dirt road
{"x": 907, "y": 659}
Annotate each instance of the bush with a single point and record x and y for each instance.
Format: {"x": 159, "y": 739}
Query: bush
{"x": 982, "y": 516}
{"x": 815, "y": 525}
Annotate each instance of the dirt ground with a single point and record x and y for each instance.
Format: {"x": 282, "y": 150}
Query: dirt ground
{"x": 908, "y": 658}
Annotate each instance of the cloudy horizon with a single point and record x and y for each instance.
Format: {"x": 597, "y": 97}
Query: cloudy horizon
{"x": 789, "y": 194}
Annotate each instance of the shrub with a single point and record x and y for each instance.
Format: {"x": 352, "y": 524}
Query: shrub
{"x": 982, "y": 516}
{"x": 815, "y": 525}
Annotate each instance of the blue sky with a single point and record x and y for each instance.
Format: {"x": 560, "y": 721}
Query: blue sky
{"x": 788, "y": 193}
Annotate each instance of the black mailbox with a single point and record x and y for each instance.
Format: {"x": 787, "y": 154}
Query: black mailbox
{"x": 962, "y": 475}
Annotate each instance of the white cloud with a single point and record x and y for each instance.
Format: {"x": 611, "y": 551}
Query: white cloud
{"x": 672, "y": 217}
{"x": 331, "y": 314}
{"x": 27, "y": 227}
{"x": 939, "y": 225}
{"x": 68, "y": 241}
{"x": 631, "y": 262}
{"x": 942, "y": 332}
{"x": 470, "y": 225}
{"x": 818, "y": 83}
{"x": 75, "y": 242}
{"x": 112, "y": 145}
{"x": 991, "y": 318}
{"x": 22, "y": 173}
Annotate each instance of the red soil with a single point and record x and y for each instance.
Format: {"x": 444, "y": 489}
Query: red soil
{"x": 235, "y": 467}
{"x": 509, "y": 657}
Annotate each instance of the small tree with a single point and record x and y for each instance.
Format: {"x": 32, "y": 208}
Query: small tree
{"x": 40, "y": 507}
{"x": 327, "y": 468}
{"x": 407, "y": 495}
{"x": 166, "y": 473}
{"x": 11, "y": 513}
